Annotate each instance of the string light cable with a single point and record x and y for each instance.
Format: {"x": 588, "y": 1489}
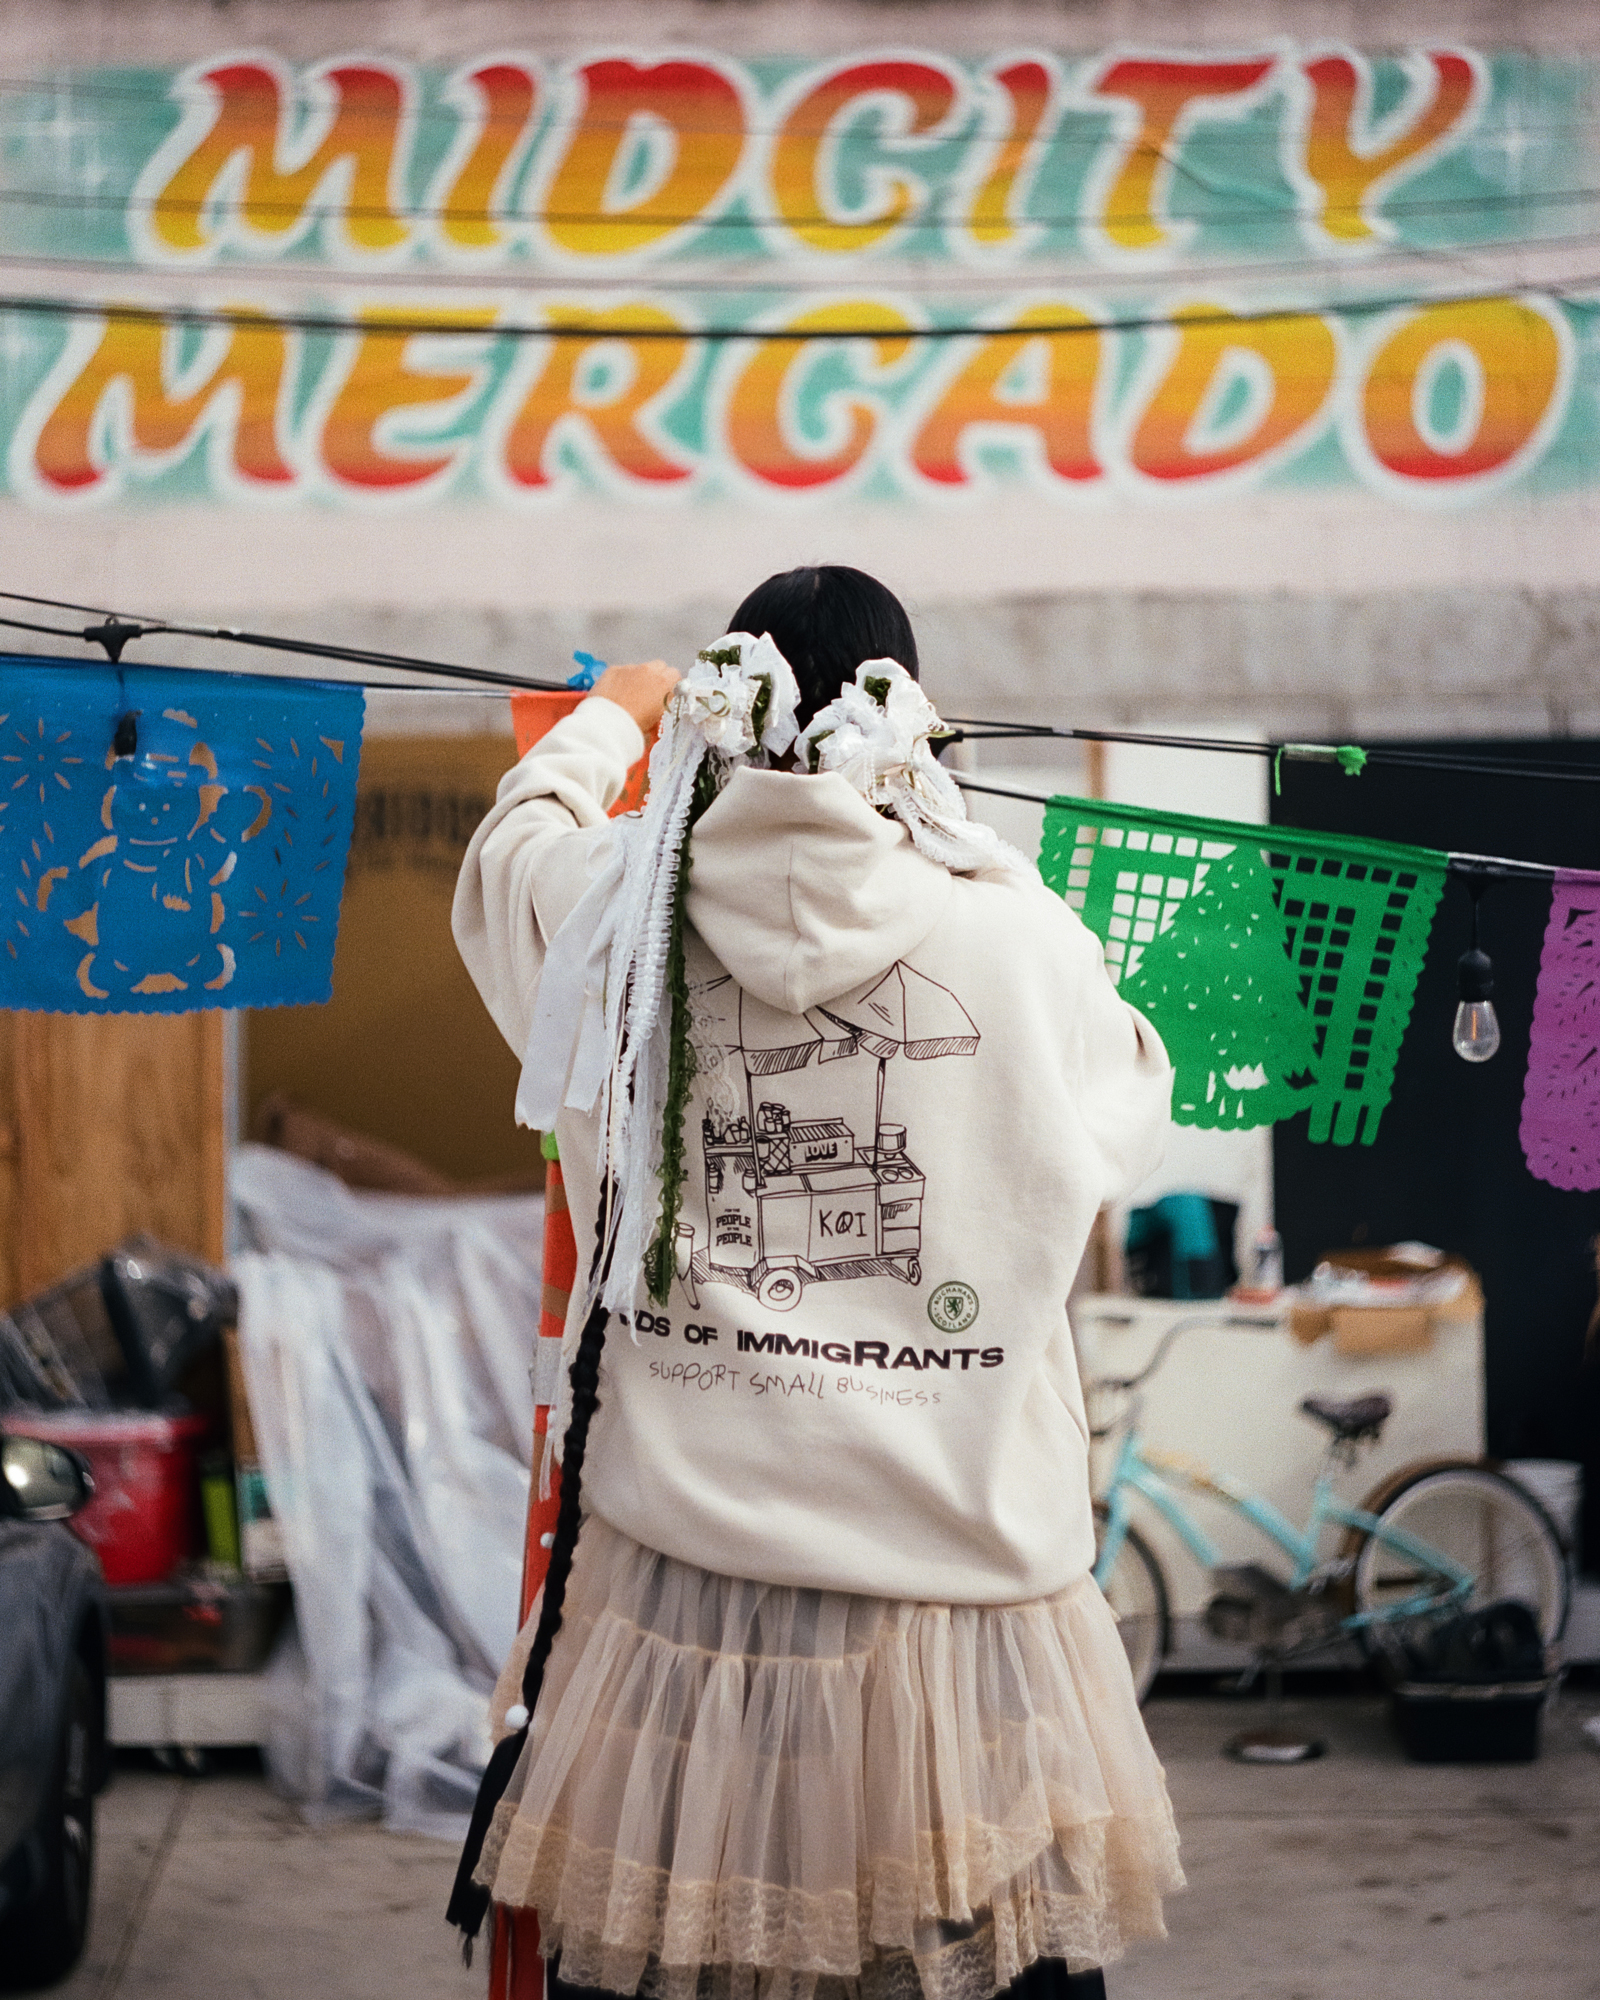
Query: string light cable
{"x": 1351, "y": 757}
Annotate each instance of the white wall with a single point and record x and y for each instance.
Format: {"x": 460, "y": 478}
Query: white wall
{"x": 168, "y": 30}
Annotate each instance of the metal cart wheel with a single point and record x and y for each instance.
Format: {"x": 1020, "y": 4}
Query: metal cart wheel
{"x": 1137, "y": 1594}
{"x": 779, "y": 1291}
{"x": 1485, "y": 1522}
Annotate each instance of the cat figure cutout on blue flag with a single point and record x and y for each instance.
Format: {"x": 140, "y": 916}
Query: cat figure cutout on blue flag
{"x": 203, "y": 867}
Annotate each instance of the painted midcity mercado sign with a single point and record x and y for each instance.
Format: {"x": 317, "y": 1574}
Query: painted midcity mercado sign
{"x": 891, "y": 275}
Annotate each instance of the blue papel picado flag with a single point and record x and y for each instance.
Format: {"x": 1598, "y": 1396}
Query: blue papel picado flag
{"x": 170, "y": 840}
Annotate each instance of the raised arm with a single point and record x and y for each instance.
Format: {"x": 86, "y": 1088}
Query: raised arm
{"x": 533, "y": 855}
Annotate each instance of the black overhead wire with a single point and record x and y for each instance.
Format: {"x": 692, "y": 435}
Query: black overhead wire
{"x": 248, "y": 319}
{"x": 1478, "y": 867}
{"x": 116, "y": 630}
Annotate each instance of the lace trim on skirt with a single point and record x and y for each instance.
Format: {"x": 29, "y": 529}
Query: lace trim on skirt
{"x": 738, "y": 1791}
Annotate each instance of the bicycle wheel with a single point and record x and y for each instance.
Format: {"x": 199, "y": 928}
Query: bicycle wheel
{"x": 1138, "y": 1597}
{"x": 1481, "y": 1520}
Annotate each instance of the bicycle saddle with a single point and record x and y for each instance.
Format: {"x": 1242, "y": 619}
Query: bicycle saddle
{"x": 1361, "y": 1417}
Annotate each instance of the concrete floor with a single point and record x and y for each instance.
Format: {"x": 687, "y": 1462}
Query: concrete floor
{"x": 1364, "y": 1877}
{"x": 1356, "y": 1878}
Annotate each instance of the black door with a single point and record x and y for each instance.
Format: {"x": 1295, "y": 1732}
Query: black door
{"x": 1447, "y": 1166}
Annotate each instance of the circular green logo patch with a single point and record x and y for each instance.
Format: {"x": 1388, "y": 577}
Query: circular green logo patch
{"x": 953, "y": 1306}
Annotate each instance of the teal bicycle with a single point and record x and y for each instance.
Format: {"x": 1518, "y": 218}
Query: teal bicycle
{"x": 1430, "y": 1540}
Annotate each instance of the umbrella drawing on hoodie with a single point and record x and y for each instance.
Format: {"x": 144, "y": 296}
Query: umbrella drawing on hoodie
{"x": 908, "y": 1011}
{"x": 794, "y": 1200}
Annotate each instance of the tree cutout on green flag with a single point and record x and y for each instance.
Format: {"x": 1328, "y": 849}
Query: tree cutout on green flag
{"x": 1278, "y": 966}
{"x": 1223, "y": 996}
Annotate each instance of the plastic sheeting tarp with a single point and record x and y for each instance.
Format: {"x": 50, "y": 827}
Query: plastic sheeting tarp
{"x": 386, "y": 1342}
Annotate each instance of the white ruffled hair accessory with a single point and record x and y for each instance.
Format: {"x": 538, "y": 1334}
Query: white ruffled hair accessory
{"x": 739, "y": 696}
{"x": 876, "y": 735}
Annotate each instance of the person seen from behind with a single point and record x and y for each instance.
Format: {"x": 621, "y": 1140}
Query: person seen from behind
{"x": 824, "y": 1698}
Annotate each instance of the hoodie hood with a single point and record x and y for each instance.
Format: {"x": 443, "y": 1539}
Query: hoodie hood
{"x": 803, "y": 891}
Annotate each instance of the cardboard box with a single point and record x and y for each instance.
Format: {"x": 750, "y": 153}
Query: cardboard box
{"x": 1360, "y": 1330}
{"x": 244, "y": 1436}
{"x": 1381, "y": 1329}
{"x": 414, "y": 1062}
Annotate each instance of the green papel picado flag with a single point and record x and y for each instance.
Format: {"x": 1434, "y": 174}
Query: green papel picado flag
{"x": 1278, "y": 966}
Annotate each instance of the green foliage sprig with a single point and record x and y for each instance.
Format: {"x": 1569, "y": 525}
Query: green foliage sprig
{"x": 681, "y": 1063}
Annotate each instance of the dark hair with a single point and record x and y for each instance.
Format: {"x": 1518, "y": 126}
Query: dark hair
{"x": 825, "y": 621}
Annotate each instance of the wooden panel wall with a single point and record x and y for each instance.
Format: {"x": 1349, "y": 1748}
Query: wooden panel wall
{"x": 109, "y": 1124}
{"x": 406, "y": 1051}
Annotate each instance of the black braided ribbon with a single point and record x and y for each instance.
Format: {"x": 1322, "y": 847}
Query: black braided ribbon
{"x": 469, "y": 1900}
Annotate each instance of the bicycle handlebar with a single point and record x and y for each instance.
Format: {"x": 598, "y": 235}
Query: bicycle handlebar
{"x": 1163, "y": 1346}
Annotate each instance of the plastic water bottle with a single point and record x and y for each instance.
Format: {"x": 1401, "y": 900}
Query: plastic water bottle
{"x": 1266, "y": 1274}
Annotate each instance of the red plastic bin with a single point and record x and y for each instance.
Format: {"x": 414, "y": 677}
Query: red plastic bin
{"x": 144, "y": 1518}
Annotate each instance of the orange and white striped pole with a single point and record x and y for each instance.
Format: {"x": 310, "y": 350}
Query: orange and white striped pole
{"x": 516, "y": 1970}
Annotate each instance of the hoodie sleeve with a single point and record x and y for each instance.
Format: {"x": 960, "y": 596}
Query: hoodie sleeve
{"x": 532, "y": 857}
{"x": 1125, "y": 1077}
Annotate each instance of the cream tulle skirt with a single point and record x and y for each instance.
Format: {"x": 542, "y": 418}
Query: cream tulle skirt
{"x": 750, "y": 1792}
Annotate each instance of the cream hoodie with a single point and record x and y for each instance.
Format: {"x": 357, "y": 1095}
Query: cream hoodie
{"x": 914, "y": 1092}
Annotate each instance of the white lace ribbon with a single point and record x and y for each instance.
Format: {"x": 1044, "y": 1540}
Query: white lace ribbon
{"x": 564, "y": 1060}
{"x": 599, "y": 1038}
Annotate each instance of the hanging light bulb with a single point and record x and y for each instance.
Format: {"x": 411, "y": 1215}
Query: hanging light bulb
{"x": 1476, "y": 1034}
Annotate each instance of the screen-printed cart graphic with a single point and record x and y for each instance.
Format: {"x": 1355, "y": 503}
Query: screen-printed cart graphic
{"x": 795, "y": 1200}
